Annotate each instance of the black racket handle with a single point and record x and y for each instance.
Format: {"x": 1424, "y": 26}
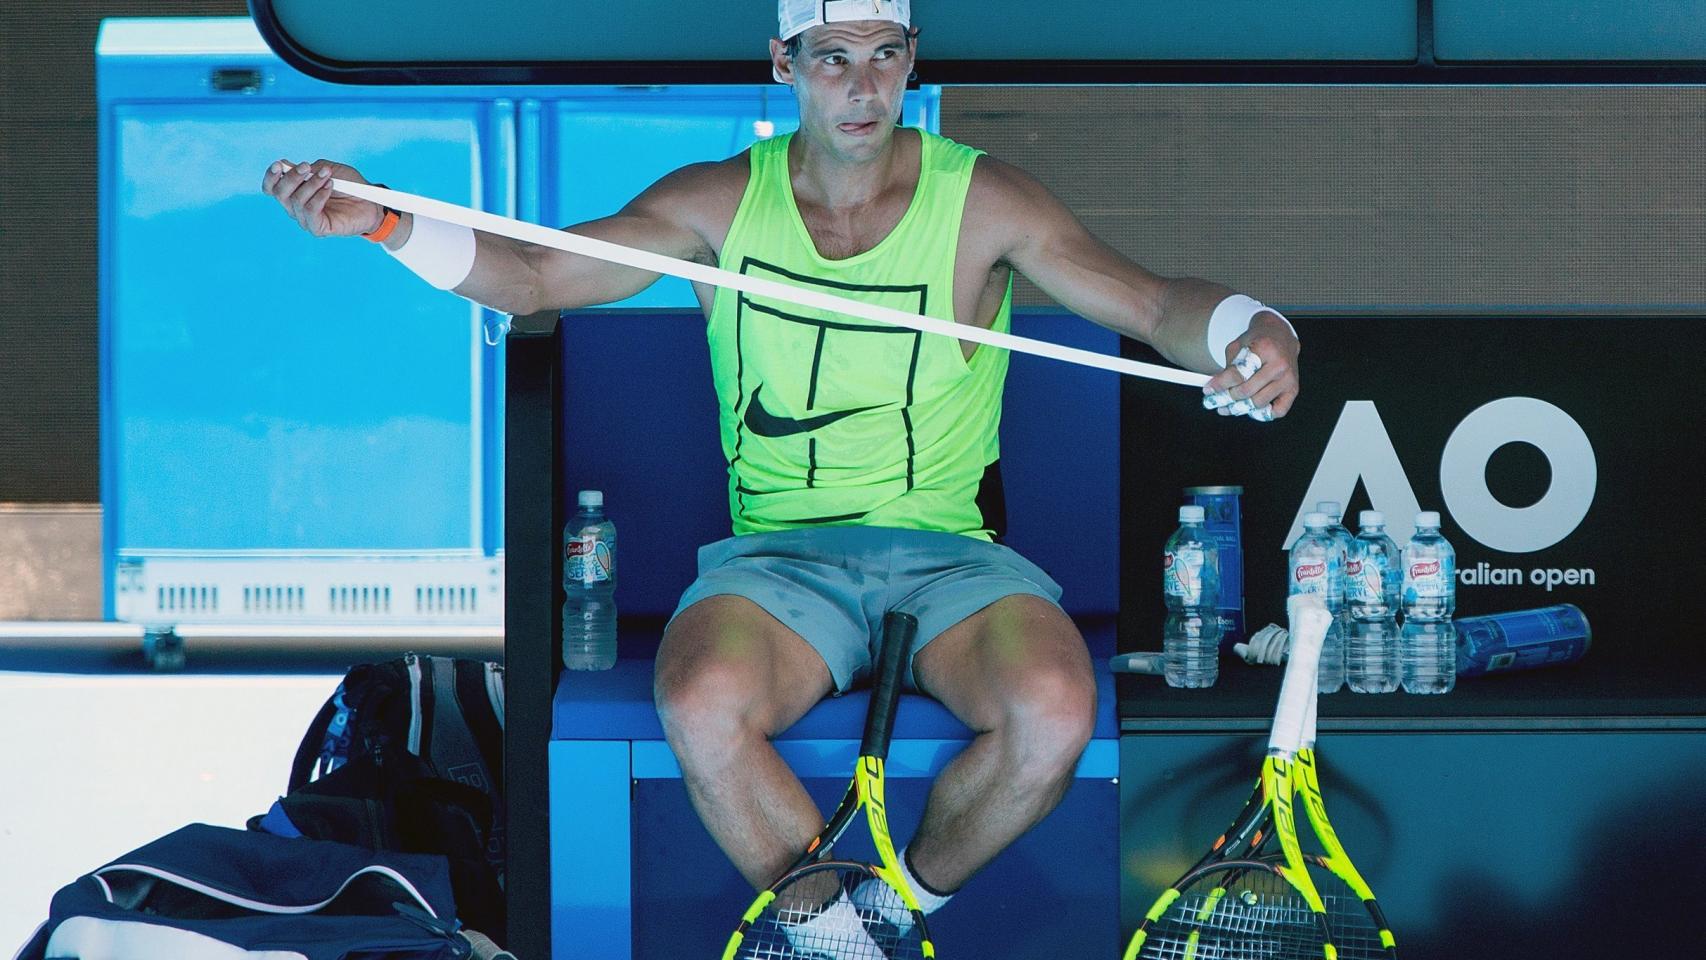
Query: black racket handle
{"x": 899, "y": 630}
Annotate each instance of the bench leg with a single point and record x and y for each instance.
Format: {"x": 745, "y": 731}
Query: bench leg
{"x": 591, "y": 855}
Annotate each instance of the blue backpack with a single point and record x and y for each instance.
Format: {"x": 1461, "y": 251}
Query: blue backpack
{"x": 407, "y": 755}
{"x": 212, "y": 893}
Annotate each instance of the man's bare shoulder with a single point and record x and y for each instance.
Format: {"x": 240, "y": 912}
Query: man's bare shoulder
{"x": 700, "y": 196}
{"x": 701, "y": 187}
{"x": 1000, "y": 186}
{"x": 1004, "y": 204}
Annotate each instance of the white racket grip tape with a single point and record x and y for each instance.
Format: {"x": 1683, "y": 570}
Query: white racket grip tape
{"x": 1309, "y": 622}
{"x": 1309, "y": 714}
{"x": 759, "y": 286}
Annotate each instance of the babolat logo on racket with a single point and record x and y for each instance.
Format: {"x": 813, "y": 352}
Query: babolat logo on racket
{"x": 1284, "y": 822}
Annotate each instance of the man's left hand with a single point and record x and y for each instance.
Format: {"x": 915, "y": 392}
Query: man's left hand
{"x": 1269, "y": 392}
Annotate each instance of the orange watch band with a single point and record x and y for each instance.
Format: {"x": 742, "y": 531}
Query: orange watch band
{"x": 387, "y": 224}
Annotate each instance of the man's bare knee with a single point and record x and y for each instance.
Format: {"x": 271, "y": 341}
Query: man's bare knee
{"x": 1050, "y": 717}
{"x": 727, "y": 671}
{"x": 716, "y": 701}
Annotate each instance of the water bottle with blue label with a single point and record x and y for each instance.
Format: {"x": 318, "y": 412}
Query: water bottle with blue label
{"x": 589, "y": 586}
{"x": 1428, "y": 645}
{"x": 1190, "y": 638}
{"x": 1316, "y": 566}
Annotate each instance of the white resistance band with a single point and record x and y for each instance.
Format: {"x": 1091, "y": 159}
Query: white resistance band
{"x": 451, "y": 213}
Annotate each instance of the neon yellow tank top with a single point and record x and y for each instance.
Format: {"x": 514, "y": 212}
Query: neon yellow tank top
{"x": 832, "y": 420}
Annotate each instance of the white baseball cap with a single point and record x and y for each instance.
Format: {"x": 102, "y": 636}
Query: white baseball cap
{"x": 795, "y": 17}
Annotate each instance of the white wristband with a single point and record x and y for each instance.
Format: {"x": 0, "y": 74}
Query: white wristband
{"x": 442, "y": 253}
{"x": 1231, "y": 320}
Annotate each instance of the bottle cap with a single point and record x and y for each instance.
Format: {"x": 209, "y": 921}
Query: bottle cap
{"x": 1427, "y": 518}
{"x": 591, "y": 498}
{"x": 1371, "y": 518}
{"x": 1190, "y": 513}
{"x": 1315, "y": 519}
{"x": 1331, "y": 508}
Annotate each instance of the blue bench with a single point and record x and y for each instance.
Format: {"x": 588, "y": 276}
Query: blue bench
{"x": 606, "y": 736}
{"x": 627, "y": 856}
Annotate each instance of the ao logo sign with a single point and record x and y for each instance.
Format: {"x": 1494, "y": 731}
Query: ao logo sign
{"x": 1360, "y": 447}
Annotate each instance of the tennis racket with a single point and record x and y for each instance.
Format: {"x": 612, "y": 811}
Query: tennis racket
{"x": 826, "y": 909}
{"x": 1244, "y": 900}
{"x": 1354, "y": 934}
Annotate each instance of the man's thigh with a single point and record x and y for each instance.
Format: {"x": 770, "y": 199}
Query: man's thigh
{"x": 815, "y": 583}
{"x": 725, "y": 654}
{"x": 957, "y": 586}
{"x": 1020, "y": 652}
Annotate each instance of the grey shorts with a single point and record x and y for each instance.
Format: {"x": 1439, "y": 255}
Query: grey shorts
{"x": 832, "y": 585}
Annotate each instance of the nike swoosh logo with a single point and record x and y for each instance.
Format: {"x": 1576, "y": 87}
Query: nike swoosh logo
{"x": 766, "y": 424}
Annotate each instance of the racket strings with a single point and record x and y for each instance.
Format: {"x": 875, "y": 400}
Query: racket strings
{"x": 1355, "y": 934}
{"x": 1246, "y": 915}
{"x": 808, "y": 922}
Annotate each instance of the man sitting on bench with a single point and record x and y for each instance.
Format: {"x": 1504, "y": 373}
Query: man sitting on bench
{"x": 863, "y": 458}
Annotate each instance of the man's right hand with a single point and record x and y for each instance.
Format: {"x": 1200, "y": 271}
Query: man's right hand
{"x": 305, "y": 192}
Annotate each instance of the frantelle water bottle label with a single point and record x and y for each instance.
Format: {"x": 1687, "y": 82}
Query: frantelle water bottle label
{"x": 1432, "y": 577}
{"x": 1181, "y": 574}
{"x": 586, "y": 559}
{"x": 1309, "y": 576}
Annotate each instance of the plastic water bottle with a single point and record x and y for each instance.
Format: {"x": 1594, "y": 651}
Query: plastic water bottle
{"x": 1316, "y": 567}
{"x": 1430, "y": 573}
{"x": 1190, "y": 582}
{"x": 1371, "y": 655}
{"x": 589, "y": 586}
{"x": 1372, "y": 577}
{"x": 1335, "y": 647}
{"x": 1335, "y": 524}
{"x": 1428, "y": 643}
{"x": 1428, "y": 656}
{"x": 1371, "y": 587}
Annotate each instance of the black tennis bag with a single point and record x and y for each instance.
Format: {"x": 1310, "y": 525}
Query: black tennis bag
{"x": 449, "y": 712}
{"x": 210, "y": 893}
{"x": 407, "y": 755}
